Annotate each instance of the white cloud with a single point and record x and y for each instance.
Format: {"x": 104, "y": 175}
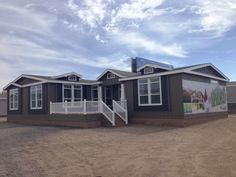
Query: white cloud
{"x": 217, "y": 16}
{"x": 90, "y": 12}
{"x": 138, "y": 41}
{"x": 25, "y": 19}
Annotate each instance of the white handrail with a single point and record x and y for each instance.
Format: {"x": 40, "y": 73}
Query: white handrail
{"x": 120, "y": 111}
{"x": 107, "y": 112}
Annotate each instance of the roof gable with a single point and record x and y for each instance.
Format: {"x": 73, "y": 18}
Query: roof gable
{"x": 66, "y": 75}
{"x": 118, "y": 73}
{"x": 155, "y": 66}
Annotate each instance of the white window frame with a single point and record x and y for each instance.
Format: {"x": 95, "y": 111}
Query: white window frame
{"x": 149, "y": 92}
{"x": 72, "y": 92}
{"x": 148, "y": 72}
{"x": 15, "y": 93}
{"x": 37, "y": 88}
{"x": 110, "y": 76}
{"x": 72, "y": 78}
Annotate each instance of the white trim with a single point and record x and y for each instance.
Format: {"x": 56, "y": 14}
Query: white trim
{"x": 14, "y": 91}
{"x": 36, "y": 97}
{"x": 3, "y": 98}
{"x": 231, "y": 102}
{"x": 188, "y": 71}
{"x": 108, "y": 70}
{"x": 21, "y": 76}
{"x": 153, "y": 66}
{"x": 209, "y": 64}
{"x": 72, "y": 78}
{"x": 92, "y": 89}
{"x": 229, "y": 85}
{"x": 205, "y": 75}
{"x": 150, "y": 72}
{"x": 43, "y": 82}
{"x": 67, "y": 74}
{"x": 111, "y": 76}
{"x": 149, "y": 93}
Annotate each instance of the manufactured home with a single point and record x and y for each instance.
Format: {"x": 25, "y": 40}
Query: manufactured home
{"x": 151, "y": 93}
{"x": 231, "y": 97}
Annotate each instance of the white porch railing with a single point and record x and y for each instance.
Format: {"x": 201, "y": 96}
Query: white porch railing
{"x": 120, "y": 110}
{"x": 83, "y": 107}
{"x": 107, "y": 112}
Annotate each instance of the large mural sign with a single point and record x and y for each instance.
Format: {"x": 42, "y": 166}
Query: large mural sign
{"x": 203, "y": 97}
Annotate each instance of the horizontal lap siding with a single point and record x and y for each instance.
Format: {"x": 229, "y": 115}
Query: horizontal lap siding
{"x": 172, "y": 99}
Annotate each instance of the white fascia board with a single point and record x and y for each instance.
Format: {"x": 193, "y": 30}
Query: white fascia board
{"x": 206, "y": 65}
{"x": 108, "y": 70}
{"x": 206, "y": 75}
{"x": 75, "y": 83}
{"x": 170, "y": 73}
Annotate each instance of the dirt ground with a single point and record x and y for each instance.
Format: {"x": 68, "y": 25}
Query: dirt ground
{"x": 207, "y": 150}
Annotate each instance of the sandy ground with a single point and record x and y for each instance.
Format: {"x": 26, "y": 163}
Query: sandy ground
{"x": 207, "y": 150}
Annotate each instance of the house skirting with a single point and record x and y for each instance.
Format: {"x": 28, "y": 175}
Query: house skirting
{"x": 232, "y": 108}
{"x": 73, "y": 120}
{"x": 179, "y": 121}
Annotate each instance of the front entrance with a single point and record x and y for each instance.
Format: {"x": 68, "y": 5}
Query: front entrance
{"x": 111, "y": 92}
{"x": 108, "y": 95}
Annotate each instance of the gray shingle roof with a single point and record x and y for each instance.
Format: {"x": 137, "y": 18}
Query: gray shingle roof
{"x": 124, "y": 73}
{"x": 50, "y": 78}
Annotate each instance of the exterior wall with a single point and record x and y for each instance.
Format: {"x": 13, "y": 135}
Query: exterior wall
{"x": 106, "y": 81}
{"x": 172, "y": 97}
{"x": 211, "y": 115}
{"x": 231, "y": 95}
{"x": 52, "y": 92}
{"x": 3, "y": 107}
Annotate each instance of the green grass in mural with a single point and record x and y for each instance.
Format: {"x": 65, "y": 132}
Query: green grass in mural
{"x": 218, "y": 97}
{"x": 192, "y": 107}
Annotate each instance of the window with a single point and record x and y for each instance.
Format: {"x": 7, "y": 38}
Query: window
{"x": 13, "y": 99}
{"x": 72, "y": 93}
{"x": 148, "y": 70}
{"x": 36, "y": 97}
{"x": 110, "y": 76}
{"x": 150, "y": 91}
{"x": 72, "y": 78}
{"x": 94, "y": 93}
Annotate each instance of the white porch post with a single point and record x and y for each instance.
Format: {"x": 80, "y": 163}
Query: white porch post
{"x": 99, "y": 92}
{"x": 122, "y": 96}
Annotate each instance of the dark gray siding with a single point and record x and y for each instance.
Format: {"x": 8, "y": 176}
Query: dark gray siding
{"x": 3, "y": 107}
{"x": 172, "y": 98}
{"x": 209, "y": 70}
{"x": 106, "y": 81}
{"x": 231, "y": 93}
{"x": 24, "y": 81}
{"x": 192, "y": 77}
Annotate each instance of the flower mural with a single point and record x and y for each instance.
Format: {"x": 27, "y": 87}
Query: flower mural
{"x": 201, "y": 97}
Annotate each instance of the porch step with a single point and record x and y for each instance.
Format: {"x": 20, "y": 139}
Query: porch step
{"x": 118, "y": 122}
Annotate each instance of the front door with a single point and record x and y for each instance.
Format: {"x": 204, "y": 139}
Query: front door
{"x": 108, "y": 95}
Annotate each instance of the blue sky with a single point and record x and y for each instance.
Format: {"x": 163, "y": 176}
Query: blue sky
{"x": 86, "y": 36}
